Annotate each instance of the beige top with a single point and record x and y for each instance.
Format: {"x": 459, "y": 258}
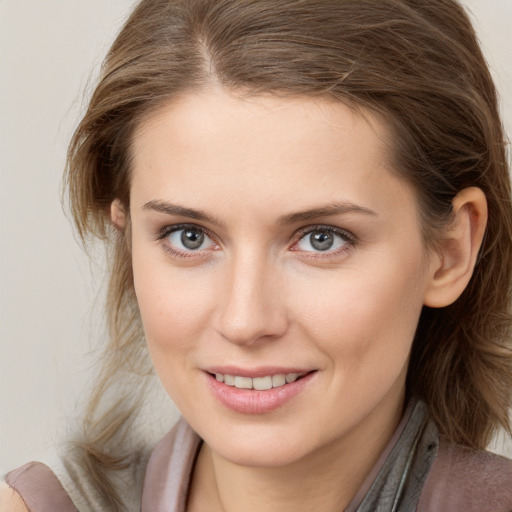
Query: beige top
{"x": 415, "y": 472}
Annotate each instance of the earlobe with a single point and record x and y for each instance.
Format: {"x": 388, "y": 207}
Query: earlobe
{"x": 117, "y": 214}
{"x": 453, "y": 265}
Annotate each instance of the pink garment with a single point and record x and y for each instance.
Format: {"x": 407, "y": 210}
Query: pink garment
{"x": 467, "y": 480}
{"x": 40, "y": 489}
{"x": 455, "y": 479}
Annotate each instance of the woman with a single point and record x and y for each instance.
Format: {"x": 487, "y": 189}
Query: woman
{"x": 309, "y": 211}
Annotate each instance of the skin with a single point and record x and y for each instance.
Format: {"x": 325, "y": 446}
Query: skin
{"x": 10, "y": 501}
{"x": 257, "y": 293}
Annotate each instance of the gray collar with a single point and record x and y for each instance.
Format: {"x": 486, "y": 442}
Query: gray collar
{"x": 407, "y": 462}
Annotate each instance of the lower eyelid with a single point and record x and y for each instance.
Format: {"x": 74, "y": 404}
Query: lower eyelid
{"x": 327, "y": 256}
{"x": 182, "y": 255}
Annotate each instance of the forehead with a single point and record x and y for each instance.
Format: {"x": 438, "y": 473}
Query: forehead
{"x": 210, "y": 115}
{"x": 274, "y": 152}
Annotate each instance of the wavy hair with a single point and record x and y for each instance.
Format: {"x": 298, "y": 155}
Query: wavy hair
{"x": 418, "y": 65}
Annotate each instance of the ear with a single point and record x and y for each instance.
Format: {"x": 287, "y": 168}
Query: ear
{"x": 118, "y": 214}
{"x": 453, "y": 264}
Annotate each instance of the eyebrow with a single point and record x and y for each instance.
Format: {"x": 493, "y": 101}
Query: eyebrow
{"x": 174, "y": 209}
{"x": 324, "y": 211}
{"x": 284, "y": 220}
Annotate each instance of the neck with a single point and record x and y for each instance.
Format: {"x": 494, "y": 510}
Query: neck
{"x": 326, "y": 480}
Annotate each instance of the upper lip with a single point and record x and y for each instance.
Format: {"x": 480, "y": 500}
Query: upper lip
{"x": 261, "y": 371}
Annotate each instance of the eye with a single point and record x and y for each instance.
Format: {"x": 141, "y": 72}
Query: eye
{"x": 324, "y": 239}
{"x": 187, "y": 238}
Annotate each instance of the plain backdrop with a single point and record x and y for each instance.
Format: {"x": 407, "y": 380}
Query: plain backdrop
{"x": 50, "y": 316}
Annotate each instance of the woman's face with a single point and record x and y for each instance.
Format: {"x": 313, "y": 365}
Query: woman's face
{"x": 271, "y": 241}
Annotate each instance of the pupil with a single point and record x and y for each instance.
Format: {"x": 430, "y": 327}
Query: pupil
{"x": 192, "y": 239}
{"x": 321, "y": 240}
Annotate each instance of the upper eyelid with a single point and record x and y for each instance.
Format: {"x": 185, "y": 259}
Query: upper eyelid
{"x": 166, "y": 230}
{"x": 318, "y": 227}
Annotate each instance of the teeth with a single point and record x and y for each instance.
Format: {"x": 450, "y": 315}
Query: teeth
{"x": 243, "y": 382}
{"x": 262, "y": 383}
{"x": 258, "y": 383}
{"x": 278, "y": 380}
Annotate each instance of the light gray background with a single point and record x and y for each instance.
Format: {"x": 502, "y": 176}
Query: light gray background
{"x": 49, "y": 52}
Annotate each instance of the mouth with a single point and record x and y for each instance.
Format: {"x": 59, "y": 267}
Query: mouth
{"x": 258, "y": 392}
{"x": 263, "y": 383}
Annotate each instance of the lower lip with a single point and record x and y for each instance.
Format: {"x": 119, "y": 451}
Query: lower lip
{"x": 251, "y": 401}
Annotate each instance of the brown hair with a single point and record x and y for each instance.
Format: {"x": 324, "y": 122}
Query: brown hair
{"x": 417, "y": 63}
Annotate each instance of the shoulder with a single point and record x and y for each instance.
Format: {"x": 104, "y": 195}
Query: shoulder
{"x": 10, "y": 500}
{"x": 34, "y": 487}
{"x": 464, "y": 479}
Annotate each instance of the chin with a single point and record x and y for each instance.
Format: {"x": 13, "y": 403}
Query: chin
{"x": 258, "y": 456}
{"x": 265, "y": 445}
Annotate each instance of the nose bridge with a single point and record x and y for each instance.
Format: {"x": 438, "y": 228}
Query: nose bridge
{"x": 251, "y": 307}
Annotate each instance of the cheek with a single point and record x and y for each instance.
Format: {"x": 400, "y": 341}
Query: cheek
{"x": 174, "y": 305}
{"x": 365, "y": 318}
{"x": 174, "y": 313}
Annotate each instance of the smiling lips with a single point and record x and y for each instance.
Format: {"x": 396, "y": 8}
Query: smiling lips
{"x": 257, "y": 394}
{"x": 258, "y": 383}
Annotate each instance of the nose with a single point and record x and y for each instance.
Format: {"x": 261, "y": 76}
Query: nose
{"x": 251, "y": 303}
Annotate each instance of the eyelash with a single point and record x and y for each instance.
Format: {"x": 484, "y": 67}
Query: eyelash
{"x": 348, "y": 238}
{"x": 168, "y": 230}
